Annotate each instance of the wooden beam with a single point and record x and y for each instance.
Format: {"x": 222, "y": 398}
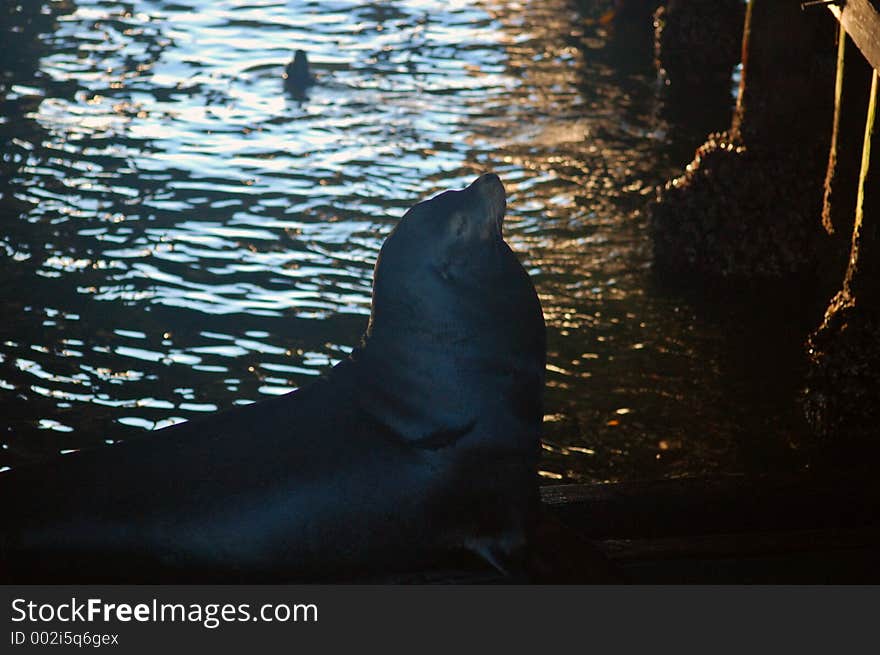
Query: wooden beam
{"x": 713, "y": 505}
{"x": 747, "y": 544}
{"x": 861, "y": 20}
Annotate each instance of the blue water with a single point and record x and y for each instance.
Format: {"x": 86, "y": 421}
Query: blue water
{"x": 179, "y": 235}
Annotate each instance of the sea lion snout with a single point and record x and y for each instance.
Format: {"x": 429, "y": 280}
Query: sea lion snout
{"x": 491, "y": 192}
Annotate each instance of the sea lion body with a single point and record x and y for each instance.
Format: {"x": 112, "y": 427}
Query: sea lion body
{"x": 415, "y": 451}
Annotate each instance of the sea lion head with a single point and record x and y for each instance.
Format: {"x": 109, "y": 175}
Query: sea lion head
{"x": 446, "y": 272}
{"x": 446, "y": 269}
{"x": 456, "y": 333}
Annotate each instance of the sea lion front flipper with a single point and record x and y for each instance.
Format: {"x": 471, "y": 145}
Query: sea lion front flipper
{"x": 496, "y": 553}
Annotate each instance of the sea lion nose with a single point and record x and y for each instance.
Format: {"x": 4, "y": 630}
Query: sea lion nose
{"x": 491, "y": 192}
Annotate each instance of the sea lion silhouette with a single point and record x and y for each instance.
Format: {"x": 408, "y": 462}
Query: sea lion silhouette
{"x": 418, "y": 450}
{"x": 297, "y": 76}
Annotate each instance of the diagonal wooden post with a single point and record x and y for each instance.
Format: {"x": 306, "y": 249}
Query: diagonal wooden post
{"x": 861, "y": 274}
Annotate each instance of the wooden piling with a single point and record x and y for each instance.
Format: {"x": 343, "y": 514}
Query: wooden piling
{"x": 745, "y": 208}
{"x": 842, "y": 399}
{"x": 858, "y": 228}
{"x": 831, "y": 173}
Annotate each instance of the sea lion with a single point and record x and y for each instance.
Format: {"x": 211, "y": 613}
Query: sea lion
{"x": 417, "y": 450}
{"x": 297, "y": 76}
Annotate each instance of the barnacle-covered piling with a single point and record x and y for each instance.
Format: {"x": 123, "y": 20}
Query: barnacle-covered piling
{"x": 747, "y": 206}
{"x": 842, "y": 399}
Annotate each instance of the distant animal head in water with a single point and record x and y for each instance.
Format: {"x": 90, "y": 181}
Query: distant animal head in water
{"x": 446, "y": 264}
{"x": 297, "y": 75}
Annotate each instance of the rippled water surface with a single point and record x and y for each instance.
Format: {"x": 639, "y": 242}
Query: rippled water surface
{"x": 179, "y": 235}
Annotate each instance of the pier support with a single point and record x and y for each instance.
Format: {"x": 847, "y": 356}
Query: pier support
{"x": 698, "y": 42}
{"x": 697, "y": 47}
{"x": 842, "y": 399}
{"x": 748, "y": 205}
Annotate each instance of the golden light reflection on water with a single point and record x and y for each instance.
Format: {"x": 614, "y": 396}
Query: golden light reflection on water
{"x": 191, "y": 238}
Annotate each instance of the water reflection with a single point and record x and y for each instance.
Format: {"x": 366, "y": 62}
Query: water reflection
{"x": 181, "y": 235}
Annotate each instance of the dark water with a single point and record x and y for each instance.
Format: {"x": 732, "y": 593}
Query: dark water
{"x": 179, "y": 236}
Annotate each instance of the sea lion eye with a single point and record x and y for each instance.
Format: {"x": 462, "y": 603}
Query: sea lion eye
{"x": 444, "y": 270}
{"x": 457, "y": 224}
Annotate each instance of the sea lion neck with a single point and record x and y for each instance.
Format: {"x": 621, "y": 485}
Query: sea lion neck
{"x": 426, "y": 391}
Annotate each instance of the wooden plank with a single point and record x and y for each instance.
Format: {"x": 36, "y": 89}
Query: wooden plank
{"x": 861, "y": 20}
{"x": 691, "y": 506}
{"x": 748, "y": 544}
{"x": 722, "y": 529}
{"x": 794, "y": 529}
